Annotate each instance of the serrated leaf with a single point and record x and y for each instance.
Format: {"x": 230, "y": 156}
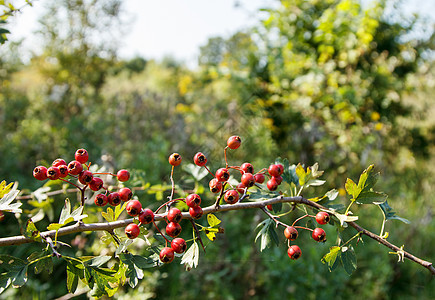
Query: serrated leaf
{"x": 97, "y": 261}
{"x": 197, "y": 173}
{"x": 66, "y": 212}
{"x": 390, "y": 214}
{"x": 4, "y": 189}
{"x": 72, "y": 278}
{"x": 368, "y": 179}
{"x": 266, "y": 233}
{"x": 118, "y": 210}
{"x": 109, "y": 215}
{"x": 315, "y": 182}
{"x": 351, "y": 188}
{"x": 135, "y": 264}
{"x": 191, "y": 257}
{"x": 315, "y": 173}
{"x": 348, "y": 259}
{"x": 331, "y": 257}
{"x": 332, "y": 194}
{"x": 44, "y": 261}
{"x": 16, "y": 271}
{"x": 302, "y": 175}
{"x": 30, "y": 231}
{"x": 371, "y": 197}
{"x": 213, "y": 220}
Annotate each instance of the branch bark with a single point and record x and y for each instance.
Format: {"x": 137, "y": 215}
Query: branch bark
{"x": 109, "y": 226}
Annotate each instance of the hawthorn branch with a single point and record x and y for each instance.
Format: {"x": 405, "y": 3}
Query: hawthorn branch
{"x": 109, "y": 226}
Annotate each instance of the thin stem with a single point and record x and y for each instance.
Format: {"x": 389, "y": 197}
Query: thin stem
{"x": 67, "y": 181}
{"x": 172, "y": 183}
{"x": 209, "y": 171}
{"x": 225, "y": 154}
{"x": 158, "y": 229}
{"x": 198, "y": 236}
{"x": 273, "y": 218}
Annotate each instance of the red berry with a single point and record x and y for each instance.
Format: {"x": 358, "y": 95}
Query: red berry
{"x": 175, "y": 159}
{"x": 167, "y": 255}
{"x": 178, "y": 245}
{"x": 174, "y": 215}
{"x": 53, "y": 173}
{"x": 123, "y": 175}
{"x": 63, "y": 169}
{"x": 259, "y": 178}
{"x": 222, "y": 174}
{"x": 272, "y": 184}
{"x": 101, "y": 200}
{"x": 132, "y": 230}
{"x": 75, "y": 168}
{"x": 173, "y": 229}
{"x": 58, "y": 162}
{"x": 278, "y": 179}
{"x": 146, "y": 216}
{"x": 193, "y": 200}
{"x": 294, "y": 252}
{"x": 275, "y": 170}
{"x": 96, "y": 184}
{"x": 319, "y": 235}
{"x": 280, "y": 169}
{"x": 114, "y": 199}
{"x": 200, "y": 159}
{"x": 133, "y": 208}
{"x": 247, "y": 168}
{"x": 322, "y": 217}
{"x": 248, "y": 179}
{"x": 125, "y": 194}
{"x": 81, "y": 156}
{"x": 234, "y": 142}
{"x": 231, "y": 196}
{"x": 241, "y": 188}
{"x": 86, "y": 177}
{"x": 196, "y": 212}
{"x": 215, "y": 185}
{"x": 290, "y": 233}
{"x": 269, "y": 207}
{"x": 40, "y": 173}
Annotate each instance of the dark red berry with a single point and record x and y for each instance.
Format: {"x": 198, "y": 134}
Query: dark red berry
{"x": 173, "y": 229}
{"x": 234, "y": 142}
{"x": 231, "y": 196}
{"x": 200, "y": 159}
{"x": 75, "y": 168}
{"x": 133, "y": 208}
{"x": 63, "y": 169}
{"x": 40, "y": 173}
{"x": 259, "y": 178}
{"x": 101, "y": 200}
{"x": 96, "y": 184}
{"x": 86, "y": 177}
{"x": 272, "y": 184}
{"x": 319, "y": 235}
{"x": 81, "y": 156}
{"x": 274, "y": 170}
{"x": 290, "y": 233}
{"x": 247, "y": 168}
{"x": 248, "y": 179}
{"x": 175, "y": 159}
{"x": 123, "y": 175}
{"x": 178, "y": 245}
{"x": 269, "y": 207}
{"x": 241, "y": 188}
{"x": 215, "y": 185}
{"x": 322, "y": 217}
{"x": 294, "y": 252}
{"x": 222, "y": 174}
{"x": 278, "y": 179}
{"x": 114, "y": 199}
{"x": 195, "y": 212}
{"x": 132, "y": 230}
{"x": 174, "y": 215}
{"x": 53, "y": 173}
{"x": 146, "y": 216}
{"x": 193, "y": 200}
{"x": 167, "y": 255}
{"x": 125, "y": 194}
{"x": 58, "y": 162}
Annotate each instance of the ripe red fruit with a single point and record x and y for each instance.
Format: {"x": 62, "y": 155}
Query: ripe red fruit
{"x": 75, "y": 167}
{"x": 178, "y": 245}
{"x": 196, "y": 212}
{"x": 96, "y": 184}
{"x": 146, "y": 216}
{"x": 114, "y": 199}
{"x": 200, "y": 159}
{"x": 259, "y": 178}
{"x": 125, "y": 194}
{"x": 101, "y": 200}
{"x": 81, "y": 156}
{"x": 174, "y": 215}
{"x": 63, "y": 169}
{"x": 248, "y": 179}
{"x": 319, "y": 235}
{"x": 132, "y": 230}
{"x": 290, "y": 233}
{"x": 133, "y": 208}
{"x": 222, "y": 174}
{"x": 173, "y": 229}
{"x": 322, "y": 217}
{"x": 294, "y": 252}
{"x": 234, "y": 142}
{"x": 58, "y": 162}
{"x": 215, "y": 185}
{"x": 123, "y": 175}
{"x": 53, "y": 173}
{"x": 247, "y": 168}
{"x": 86, "y": 177}
{"x": 231, "y": 196}
{"x": 193, "y": 200}
{"x": 275, "y": 169}
{"x": 40, "y": 173}
{"x": 167, "y": 255}
{"x": 269, "y": 207}
{"x": 175, "y": 159}
{"x": 241, "y": 188}
{"x": 278, "y": 179}
{"x": 272, "y": 184}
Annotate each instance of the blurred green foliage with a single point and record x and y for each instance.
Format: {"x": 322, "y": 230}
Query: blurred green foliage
{"x": 315, "y": 81}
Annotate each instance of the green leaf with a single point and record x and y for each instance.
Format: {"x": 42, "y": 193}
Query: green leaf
{"x": 8, "y": 195}
{"x": 119, "y": 209}
{"x": 44, "y": 261}
{"x": 30, "y": 231}
{"x": 267, "y": 234}
{"x": 368, "y": 179}
{"x": 331, "y": 256}
{"x": 390, "y": 214}
{"x": 343, "y": 218}
{"x": 109, "y": 215}
{"x": 351, "y": 188}
{"x": 260, "y": 195}
{"x": 97, "y": 261}
{"x": 16, "y": 272}
{"x": 302, "y": 175}
{"x": 191, "y": 257}
{"x": 66, "y": 212}
{"x": 371, "y": 197}
{"x": 315, "y": 182}
{"x": 135, "y": 264}
{"x": 348, "y": 259}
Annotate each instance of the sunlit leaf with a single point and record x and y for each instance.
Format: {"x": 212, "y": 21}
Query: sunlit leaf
{"x": 191, "y": 257}
{"x": 331, "y": 256}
